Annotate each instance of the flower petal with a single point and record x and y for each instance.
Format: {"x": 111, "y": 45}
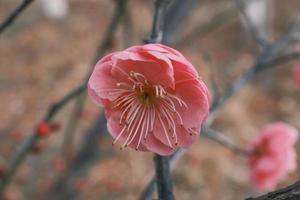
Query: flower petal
{"x": 114, "y": 128}
{"x": 154, "y": 145}
{"x": 156, "y": 72}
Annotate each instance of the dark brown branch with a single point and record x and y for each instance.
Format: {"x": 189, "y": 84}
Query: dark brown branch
{"x": 11, "y": 18}
{"x": 291, "y": 192}
{"x": 163, "y": 178}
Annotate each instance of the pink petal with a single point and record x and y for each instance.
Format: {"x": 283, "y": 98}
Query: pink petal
{"x": 115, "y": 129}
{"x": 160, "y": 73}
{"x": 194, "y": 95}
{"x": 102, "y": 80}
{"x": 154, "y": 145}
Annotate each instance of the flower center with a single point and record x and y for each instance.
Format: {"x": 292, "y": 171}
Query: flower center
{"x": 146, "y": 95}
{"x": 143, "y": 105}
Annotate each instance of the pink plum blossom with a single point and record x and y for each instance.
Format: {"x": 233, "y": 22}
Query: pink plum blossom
{"x": 153, "y": 98}
{"x": 272, "y": 155}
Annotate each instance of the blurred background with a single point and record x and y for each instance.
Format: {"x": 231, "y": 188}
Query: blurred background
{"x": 47, "y": 52}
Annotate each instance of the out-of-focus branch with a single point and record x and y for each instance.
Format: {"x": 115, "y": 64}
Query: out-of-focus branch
{"x": 218, "y": 137}
{"x": 100, "y": 51}
{"x": 177, "y": 14}
{"x": 210, "y": 134}
{"x": 156, "y": 35}
{"x": 25, "y": 149}
{"x": 12, "y": 16}
{"x": 267, "y": 59}
{"x": 79, "y": 104}
{"x": 291, "y": 192}
{"x": 256, "y": 34}
{"x": 202, "y": 29}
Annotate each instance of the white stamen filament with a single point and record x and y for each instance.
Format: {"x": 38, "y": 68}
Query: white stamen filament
{"x": 144, "y": 106}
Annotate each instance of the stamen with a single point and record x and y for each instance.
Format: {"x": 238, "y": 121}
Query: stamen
{"x": 131, "y": 117}
{"x": 131, "y": 126}
{"x": 138, "y": 126}
{"x": 139, "y": 119}
{"x": 152, "y": 119}
{"x": 125, "y": 110}
{"x": 165, "y": 131}
{"x": 118, "y": 137}
{"x": 148, "y": 122}
{"x": 171, "y": 121}
{"x": 180, "y": 101}
{"x": 124, "y": 84}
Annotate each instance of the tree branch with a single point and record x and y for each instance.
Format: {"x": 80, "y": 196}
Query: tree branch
{"x": 162, "y": 168}
{"x": 218, "y": 137}
{"x": 11, "y": 17}
{"x": 163, "y": 179}
{"x": 265, "y": 60}
{"x": 291, "y": 192}
{"x": 25, "y": 149}
{"x": 256, "y": 34}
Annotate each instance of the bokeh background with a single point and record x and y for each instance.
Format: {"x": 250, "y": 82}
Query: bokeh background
{"x": 43, "y": 58}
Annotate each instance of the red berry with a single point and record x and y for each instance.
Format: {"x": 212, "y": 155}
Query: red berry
{"x": 43, "y": 129}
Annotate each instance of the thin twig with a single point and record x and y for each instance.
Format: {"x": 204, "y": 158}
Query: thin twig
{"x": 12, "y": 16}
{"x": 256, "y": 34}
{"x": 219, "y": 137}
{"x": 264, "y": 62}
{"x": 100, "y": 51}
{"x": 25, "y": 149}
{"x": 208, "y": 27}
{"x": 79, "y": 103}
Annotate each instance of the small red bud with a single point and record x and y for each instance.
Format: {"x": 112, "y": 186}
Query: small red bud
{"x": 43, "y": 129}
